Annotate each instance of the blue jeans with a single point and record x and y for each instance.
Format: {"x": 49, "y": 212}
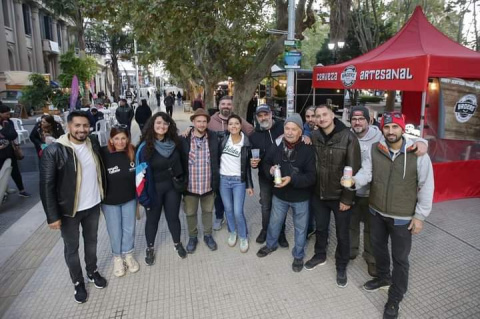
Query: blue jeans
{"x": 300, "y": 222}
{"x": 121, "y": 221}
{"x": 232, "y": 190}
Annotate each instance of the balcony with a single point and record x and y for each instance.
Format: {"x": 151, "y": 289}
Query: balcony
{"x": 50, "y": 47}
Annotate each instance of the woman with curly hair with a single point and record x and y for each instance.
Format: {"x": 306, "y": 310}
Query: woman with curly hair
{"x": 158, "y": 164}
{"x": 45, "y": 132}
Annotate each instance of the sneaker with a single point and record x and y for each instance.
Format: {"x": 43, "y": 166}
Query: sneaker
{"x": 315, "y": 261}
{"x": 132, "y": 263}
{"x": 310, "y": 233}
{"x": 262, "y": 237}
{"x": 80, "y": 294}
{"x": 24, "y": 194}
{"x": 391, "y": 309}
{"x": 98, "y": 280}
{"x": 372, "y": 269}
{"x": 211, "y": 244}
{"x": 342, "y": 280}
{"x": 182, "y": 253}
{"x": 297, "y": 265}
{"x": 150, "y": 256}
{"x": 11, "y": 191}
{"x": 118, "y": 266}
{"x": 232, "y": 239}
{"x": 217, "y": 224}
{"x": 243, "y": 245}
{"x": 376, "y": 284}
{"x": 192, "y": 245}
{"x": 265, "y": 251}
{"x": 282, "y": 241}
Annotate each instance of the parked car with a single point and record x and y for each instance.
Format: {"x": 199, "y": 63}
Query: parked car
{"x": 12, "y": 98}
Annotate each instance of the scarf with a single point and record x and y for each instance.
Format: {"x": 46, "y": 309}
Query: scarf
{"x": 291, "y": 146}
{"x": 165, "y": 148}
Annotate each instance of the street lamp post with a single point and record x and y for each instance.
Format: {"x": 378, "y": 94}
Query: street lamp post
{"x": 334, "y": 47}
{"x": 291, "y": 72}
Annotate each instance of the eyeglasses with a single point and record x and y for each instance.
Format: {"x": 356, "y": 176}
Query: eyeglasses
{"x": 120, "y": 126}
{"x": 358, "y": 119}
{"x": 163, "y": 124}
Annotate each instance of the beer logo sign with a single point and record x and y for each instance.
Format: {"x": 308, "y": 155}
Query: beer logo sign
{"x": 349, "y": 75}
{"x": 465, "y": 107}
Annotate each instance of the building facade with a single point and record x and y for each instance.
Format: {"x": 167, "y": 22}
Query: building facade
{"x": 32, "y": 38}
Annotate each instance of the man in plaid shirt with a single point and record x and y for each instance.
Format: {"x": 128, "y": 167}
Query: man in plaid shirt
{"x": 201, "y": 159}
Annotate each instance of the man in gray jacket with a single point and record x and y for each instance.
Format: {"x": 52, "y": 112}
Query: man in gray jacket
{"x": 401, "y": 196}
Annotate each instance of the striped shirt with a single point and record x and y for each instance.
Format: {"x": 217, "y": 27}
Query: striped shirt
{"x": 200, "y": 172}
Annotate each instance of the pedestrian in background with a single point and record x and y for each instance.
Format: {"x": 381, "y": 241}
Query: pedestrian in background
{"x": 169, "y": 101}
{"x": 142, "y": 114}
{"x": 45, "y": 132}
{"x": 119, "y": 205}
{"x": 235, "y": 179}
{"x": 124, "y": 114}
{"x": 179, "y": 98}
{"x": 158, "y": 164}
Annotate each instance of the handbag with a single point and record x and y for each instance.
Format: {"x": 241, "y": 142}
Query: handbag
{"x": 17, "y": 151}
{"x": 179, "y": 183}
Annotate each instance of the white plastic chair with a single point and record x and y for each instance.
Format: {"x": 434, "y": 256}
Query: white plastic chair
{"x": 5, "y": 172}
{"x": 102, "y": 129}
{"x": 21, "y": 131}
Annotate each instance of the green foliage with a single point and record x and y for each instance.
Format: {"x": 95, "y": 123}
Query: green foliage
{"x": 84, "y": 68}
{"x": 314, "y": 38}
{"x": 37, "y": 94}
{"x": 370, "y": 99}
{"x": 60, "y": 100}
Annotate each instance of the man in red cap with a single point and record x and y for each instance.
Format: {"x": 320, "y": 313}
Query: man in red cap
{"x": 401, "y": 196}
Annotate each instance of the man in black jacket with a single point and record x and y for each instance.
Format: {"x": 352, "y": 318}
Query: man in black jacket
{"x": 71, "y": 189}
{"x": 201, "y": 160}
{"x": 142, "y": 114}
{"x": 264, "y": 136}
{"x": 296, "y": 161}
{"x": 169, "y": 101}
{"x": 336, "y": 147}
{"x": 124, "y": 114}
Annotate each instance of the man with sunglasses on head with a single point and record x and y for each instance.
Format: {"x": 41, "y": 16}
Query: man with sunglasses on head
{"x": 296, "y": 161}
{"x": 336, "y": 147}
{"x": 367, "y": 134}
{"x": 401, "y": 196}
{"x": 266, "y": 133}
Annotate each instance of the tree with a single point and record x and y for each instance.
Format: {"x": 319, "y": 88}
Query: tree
{"x": 38, "y": 94}
{"x": 84, "y": 68}
{"x": 214, "y": 38}
{"x": 104, "y": 39}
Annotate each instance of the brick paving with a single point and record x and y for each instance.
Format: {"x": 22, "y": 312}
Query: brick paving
{"x": 226, "y": 283}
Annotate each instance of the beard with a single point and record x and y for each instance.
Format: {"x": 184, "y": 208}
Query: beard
{"x": 225, "y": 112}
{"x": 393, "y": 138}
{"x": 265, "y": 125}
{"x": 359, "y": 129}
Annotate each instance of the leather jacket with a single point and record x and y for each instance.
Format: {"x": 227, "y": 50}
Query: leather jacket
{"x": 246, "y": 170}
{"x": 124, "y": 115}
{"x": 60, "y": 174}
{"x": 333, "y": 154}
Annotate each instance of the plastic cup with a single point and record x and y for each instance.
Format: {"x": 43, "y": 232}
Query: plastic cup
{"x": 255, "y": 153}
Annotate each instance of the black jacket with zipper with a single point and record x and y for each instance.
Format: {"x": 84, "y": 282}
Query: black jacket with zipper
{"x": 246, "y": 171}
{"x": 58, "y": 179}
{"x": 333, "y": 152}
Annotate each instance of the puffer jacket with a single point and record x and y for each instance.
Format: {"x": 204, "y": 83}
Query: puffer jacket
{"x": 332, "y": 155}
{"x": 246, "y": 170}
{"x": 124, "y": 115}
{"x": 61, "y": 175}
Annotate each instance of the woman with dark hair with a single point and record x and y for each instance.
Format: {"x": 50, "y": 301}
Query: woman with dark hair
{"x": 45, "y": 133}
{"x": 119, "y": 205}
{"x": 235, "y": 178}
{"x": 158, "y": 164}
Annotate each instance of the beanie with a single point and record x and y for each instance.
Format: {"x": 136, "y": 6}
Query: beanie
{"x": 359, "y": 110}
{"x": 4, "y": 108}
{"x": 393, "y": 117}
{"x": 295, "y": 118}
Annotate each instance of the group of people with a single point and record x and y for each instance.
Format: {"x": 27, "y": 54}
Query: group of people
{"x": 300, "y": 167}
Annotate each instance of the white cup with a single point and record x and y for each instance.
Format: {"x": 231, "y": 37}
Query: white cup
{"x": 255, "y": 153}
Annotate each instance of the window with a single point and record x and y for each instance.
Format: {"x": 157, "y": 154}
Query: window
{"x": 6, "y": 13}
{"x": 27, "y": 21}
{"x": 59, "y": 34}
{"x": 47, "y": 27}
{"x": 11, "y": 60}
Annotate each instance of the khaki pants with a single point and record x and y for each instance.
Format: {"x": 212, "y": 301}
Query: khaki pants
{"x": 190, "y": 206}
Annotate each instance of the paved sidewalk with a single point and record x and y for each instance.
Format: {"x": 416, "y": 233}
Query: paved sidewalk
{"x": 226, "y": 283}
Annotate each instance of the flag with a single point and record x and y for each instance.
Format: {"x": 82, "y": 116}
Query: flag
{"x": 74, "y": 93}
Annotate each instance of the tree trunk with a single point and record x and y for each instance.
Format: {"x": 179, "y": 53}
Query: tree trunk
{"x": 390, "y": 103}
{"x": 244, "y": 91}
{"x": 209, "y": 94}
{"x": 116, "y": 81}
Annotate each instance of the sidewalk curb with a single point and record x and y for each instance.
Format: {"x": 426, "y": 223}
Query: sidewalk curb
{"x": 20, "y": 231}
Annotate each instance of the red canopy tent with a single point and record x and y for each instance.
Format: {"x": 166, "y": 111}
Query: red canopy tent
{"x": 406, "y": 62}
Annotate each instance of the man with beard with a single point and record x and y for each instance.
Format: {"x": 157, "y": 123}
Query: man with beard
{"x": 71, "y": 190}
{"x": 218, "y": 123}
{"x": 266, "y": 132}
{"x": 309, "y": 125}
{"x": 367, "y": 135}
{"x": 401, "y": 196}
{"x": 336, "y": 147}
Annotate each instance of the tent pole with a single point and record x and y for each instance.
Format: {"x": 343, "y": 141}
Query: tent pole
{"x": 314, "y": 93}
{"x": 422, "y": 112}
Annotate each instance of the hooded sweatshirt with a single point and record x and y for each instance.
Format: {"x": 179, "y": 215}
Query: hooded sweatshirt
{"x": 217, "y": 124}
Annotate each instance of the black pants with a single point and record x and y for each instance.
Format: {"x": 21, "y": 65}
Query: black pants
{"x": 71, "y": 234}
{"x": 16, "y": 176}
{"x": 380, "y": 229}
{"x": 266, "y": 193}
{"x": 169, "y": 110}
{"x": 169, "y": 200}
{"x": 323, "y": 208}
{"x": 219, "y": 208}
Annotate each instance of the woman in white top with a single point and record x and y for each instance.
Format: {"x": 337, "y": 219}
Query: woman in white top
{"x": 235, "y": 179}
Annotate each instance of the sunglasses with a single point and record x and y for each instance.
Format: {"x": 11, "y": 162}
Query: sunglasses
{"x": 120, "y": 126}
{"x": 389, "y": 116}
